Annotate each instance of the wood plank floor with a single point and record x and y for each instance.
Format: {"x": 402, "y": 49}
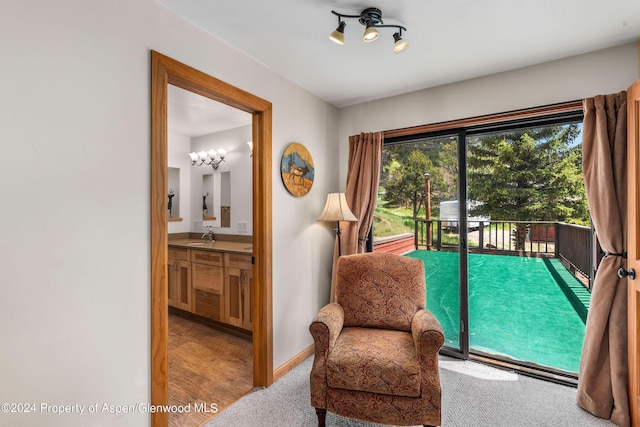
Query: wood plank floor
{"x": 206, "y": 366}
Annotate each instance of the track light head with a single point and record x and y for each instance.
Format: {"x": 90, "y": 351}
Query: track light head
{"x": 338, "y": 35}
{"x": 370, "y": 34}
{"x": 399, "y": 45}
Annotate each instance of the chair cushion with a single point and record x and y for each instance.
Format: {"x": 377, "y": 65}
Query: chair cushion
{"x": 380, "y": 290}
{"x": 374, "y": 360}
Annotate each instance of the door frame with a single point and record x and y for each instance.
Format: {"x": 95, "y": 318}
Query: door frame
{"x": 633, "y": 247}
{"x": 164, "y": 71}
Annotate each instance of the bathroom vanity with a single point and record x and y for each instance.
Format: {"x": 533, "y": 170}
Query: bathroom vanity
{"x": 211, "y": 279}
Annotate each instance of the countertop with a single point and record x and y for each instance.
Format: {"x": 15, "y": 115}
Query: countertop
{"x": 218, "y": 245}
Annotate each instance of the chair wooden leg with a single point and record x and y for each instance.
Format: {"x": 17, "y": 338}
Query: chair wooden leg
{"x": 321, "y": 416}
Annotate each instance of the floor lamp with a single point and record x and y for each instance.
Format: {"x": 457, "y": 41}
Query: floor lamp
{"x": 337, "y": 210}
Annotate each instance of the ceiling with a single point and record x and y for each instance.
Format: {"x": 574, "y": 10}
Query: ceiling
{"x": 449, "y": 41}
{"x": 192, "y": 115}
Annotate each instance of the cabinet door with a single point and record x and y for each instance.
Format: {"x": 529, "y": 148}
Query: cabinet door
{"x": 179, "y": 282}
{"x": 247, "y": 286}
{"x": 233, "y": 296}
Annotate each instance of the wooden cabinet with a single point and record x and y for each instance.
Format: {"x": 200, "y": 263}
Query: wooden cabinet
{"x": 238, "y": 285}
{"x": 179, "y": 278}
{"x": 215, "y": 285}
{"x": 207, "y": 278}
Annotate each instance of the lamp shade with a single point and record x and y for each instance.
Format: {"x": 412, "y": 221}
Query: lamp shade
{"x": 337, "y": 209}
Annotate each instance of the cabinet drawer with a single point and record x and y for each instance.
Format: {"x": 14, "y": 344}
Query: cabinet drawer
{"x": 207, "y": 257}
{"x": 209, "y": 304}
{"x": 242, "y": 262}
{"x": 205, "y": 276}
{"x": 178, "y": 253}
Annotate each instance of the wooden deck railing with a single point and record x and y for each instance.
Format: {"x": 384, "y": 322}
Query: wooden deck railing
{"x": 575, "y": 249}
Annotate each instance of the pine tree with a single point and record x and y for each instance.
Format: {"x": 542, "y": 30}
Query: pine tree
{"x": 530, "y": 174}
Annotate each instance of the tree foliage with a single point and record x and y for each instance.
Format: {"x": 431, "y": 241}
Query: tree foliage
{"x": 528, "y": 175}
{"x": 404, "y": 180}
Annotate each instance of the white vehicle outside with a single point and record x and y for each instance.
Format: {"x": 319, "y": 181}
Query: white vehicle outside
{"x": 450, "y": 215}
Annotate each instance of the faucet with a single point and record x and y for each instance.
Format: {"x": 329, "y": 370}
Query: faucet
{"x": 209, "y": 233}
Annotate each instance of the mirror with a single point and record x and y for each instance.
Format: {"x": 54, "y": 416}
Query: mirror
{"x": 216, "y": 198}
{"x": 225, "y": 199}
{"x": 173, "y": 202}
{"x": 207, "y": 198}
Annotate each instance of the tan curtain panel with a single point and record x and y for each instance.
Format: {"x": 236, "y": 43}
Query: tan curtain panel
{"x": 363, "y": 179}
{"x": 602, "y": 384}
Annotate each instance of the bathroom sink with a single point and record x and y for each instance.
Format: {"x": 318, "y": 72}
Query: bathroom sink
{"x": 198, "y": 243}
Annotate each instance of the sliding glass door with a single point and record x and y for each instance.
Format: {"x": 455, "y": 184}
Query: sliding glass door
{"x": 526, "y": 203}
{"x": 498, "y": 215}
{"x": 416, "y": 215}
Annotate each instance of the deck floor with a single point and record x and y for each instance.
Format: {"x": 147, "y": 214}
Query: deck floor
{"x": 528, "y": 309}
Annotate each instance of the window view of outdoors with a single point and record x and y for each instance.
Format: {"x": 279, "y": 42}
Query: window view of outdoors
{"x": 527, "y": 233}
{"x": 402, "y": 219}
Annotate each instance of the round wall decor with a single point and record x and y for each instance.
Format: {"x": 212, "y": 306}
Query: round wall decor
{"x": 296, "y": 169}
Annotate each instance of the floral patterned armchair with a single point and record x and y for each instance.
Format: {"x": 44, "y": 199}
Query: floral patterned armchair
{"x": 376, "y": 347}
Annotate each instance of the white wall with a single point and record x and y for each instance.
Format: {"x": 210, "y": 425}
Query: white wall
{"x": 602, "y": 72}
{"x": 239, "y": 163}
{"x": 74, "y": 114}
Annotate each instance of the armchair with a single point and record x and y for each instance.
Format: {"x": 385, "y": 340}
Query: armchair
{"x": 376, "y": 347}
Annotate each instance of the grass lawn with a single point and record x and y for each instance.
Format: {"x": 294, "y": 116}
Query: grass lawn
{"x": 529, "y": 309}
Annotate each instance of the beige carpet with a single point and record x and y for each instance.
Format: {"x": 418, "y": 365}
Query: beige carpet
{"x": 474, "y": 395}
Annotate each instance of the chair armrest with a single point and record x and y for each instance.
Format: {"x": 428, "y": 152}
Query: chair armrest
{"x": 325, "y": 328}
{"x": 428, "y": 338}
{"x": 428, "y": 335}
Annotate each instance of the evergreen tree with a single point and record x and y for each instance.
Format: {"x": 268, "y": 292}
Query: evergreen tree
{"x": 530, "y": 174}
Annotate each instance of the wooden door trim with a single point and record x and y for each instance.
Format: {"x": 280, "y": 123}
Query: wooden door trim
{"x": 164, "y": 71}
{"x": 633, "y": 237}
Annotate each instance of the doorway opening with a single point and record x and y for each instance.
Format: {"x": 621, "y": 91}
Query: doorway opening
{"x": 165, "y": 71}
{"x": 210, "y": 330}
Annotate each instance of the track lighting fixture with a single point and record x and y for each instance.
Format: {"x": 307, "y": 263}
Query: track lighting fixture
{"x": 371, "y": 18}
